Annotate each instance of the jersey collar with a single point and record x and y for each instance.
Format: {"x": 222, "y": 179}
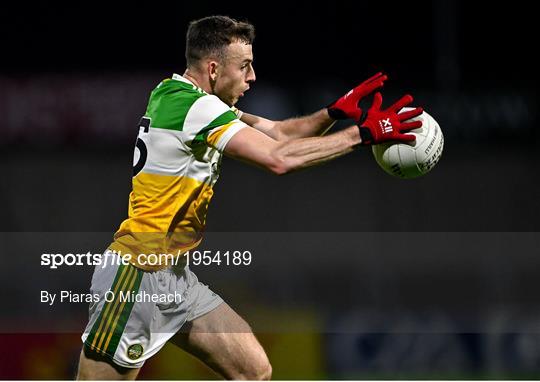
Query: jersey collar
{"x": 178, "y": 77}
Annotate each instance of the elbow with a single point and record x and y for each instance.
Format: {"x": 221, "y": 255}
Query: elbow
{"x": 279, "y": 171}
{"x": 279, "y": 166}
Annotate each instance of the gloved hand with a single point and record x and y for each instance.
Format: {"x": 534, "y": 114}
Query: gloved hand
{"x": 388, "y": 125}
{"x": 348, "y": 106}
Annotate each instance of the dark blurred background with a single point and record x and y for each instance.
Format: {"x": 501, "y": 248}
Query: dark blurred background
{"x": 74, "y": 82}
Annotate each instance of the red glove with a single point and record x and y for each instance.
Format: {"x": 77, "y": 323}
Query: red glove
{"x": 388, "y": 125}
{"x": 348, "y": 106}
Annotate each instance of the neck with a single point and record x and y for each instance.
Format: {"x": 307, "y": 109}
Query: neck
{"x": 198, "y": 80}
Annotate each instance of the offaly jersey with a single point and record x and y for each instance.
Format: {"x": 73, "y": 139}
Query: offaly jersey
{"x": 176, "y": 163}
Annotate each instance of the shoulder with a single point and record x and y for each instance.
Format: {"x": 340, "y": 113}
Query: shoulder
{"x": 209, "y": 105}
{"x": 209, "y": 111}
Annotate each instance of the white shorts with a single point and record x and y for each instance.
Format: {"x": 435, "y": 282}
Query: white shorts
{"x": 136, "y": 312}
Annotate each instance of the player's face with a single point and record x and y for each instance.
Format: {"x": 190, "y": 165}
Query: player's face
{"x": 235, "y": 73}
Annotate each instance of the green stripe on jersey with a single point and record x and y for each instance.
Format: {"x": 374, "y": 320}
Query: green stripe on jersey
{"x": 223, "y": 119}
{"x": 169, "y": 104}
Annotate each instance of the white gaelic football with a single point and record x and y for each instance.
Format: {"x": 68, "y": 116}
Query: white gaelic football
{"x": 410, "y": 160}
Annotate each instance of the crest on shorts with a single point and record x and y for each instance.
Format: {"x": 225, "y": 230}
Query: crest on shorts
{"x": 135, "y": 351}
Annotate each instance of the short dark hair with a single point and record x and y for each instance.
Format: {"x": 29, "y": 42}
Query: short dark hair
{"x": 211, "y": 35}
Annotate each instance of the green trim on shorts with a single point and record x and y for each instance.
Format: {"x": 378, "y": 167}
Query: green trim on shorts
{"x": 108, "y": 328}
{"x": 97, "y": 324}
{"x": 124, "y": 315}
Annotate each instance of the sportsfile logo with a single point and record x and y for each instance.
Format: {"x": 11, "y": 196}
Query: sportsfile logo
{"x": 386, "y": 126}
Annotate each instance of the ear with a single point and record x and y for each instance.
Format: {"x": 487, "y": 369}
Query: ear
{"x": 213, "y": 70}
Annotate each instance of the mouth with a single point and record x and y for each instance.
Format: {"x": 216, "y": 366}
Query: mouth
{"x": 243, "y": 93}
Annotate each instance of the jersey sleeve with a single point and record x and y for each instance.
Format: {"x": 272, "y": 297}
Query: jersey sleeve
{"x": 212, "y": 122}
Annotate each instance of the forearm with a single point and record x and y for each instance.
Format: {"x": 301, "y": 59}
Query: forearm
{"x": 313, "y": 125}
{"x": 306, "y": 152}
{"x": 264, "y": 125}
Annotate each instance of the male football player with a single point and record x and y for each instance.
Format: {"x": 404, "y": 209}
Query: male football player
{"x": 190, "y": 122}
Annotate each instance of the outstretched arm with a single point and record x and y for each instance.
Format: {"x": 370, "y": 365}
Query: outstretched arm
{"x": 317, "y": 124}
{"x": 313, "y": 125}
{"x": 281, "y": 157}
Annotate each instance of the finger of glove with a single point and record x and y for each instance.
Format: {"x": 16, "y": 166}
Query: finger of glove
{"x": 366, "y": 88}
{"x": 404, "y": 101}
{"x": 372, "y": 86}
{"x": 410, "y": 114}
{"x": 374, "y": 77}
{"x": 405, "y": 137}
{"x": 377, "y": 102}
{"x": 410, "y": 126}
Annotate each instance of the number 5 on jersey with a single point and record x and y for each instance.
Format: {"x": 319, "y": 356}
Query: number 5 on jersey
{"x": 140, "y": 159}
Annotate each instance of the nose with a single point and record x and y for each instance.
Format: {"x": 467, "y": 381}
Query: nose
{"x": 251, "y": 75}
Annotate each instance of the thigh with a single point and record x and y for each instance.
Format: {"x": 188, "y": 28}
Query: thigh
{"x": 94, "y": 367}
{"x": 226, "y": 343}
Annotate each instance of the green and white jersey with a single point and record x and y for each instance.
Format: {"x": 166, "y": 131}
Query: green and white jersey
{"x": 176, "y": 163}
